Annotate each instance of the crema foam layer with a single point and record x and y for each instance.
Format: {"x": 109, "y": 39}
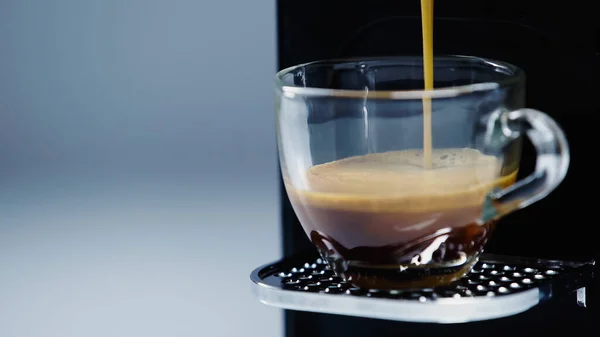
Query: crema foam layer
{"x": 397, "y": 181}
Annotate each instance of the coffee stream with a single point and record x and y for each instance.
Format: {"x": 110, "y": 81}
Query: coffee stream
{"x": 427, "y": 23}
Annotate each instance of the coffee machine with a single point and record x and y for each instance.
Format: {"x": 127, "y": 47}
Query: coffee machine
{"x": 545, "y": 254}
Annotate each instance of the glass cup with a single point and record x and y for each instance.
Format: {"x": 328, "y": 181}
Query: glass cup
{"x": 400, "y": 187}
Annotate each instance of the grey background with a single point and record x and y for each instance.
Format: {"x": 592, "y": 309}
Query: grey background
{"x": 137, "y": 167}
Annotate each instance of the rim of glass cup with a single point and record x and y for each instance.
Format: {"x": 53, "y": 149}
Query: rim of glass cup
{"x": 516, "y": 75}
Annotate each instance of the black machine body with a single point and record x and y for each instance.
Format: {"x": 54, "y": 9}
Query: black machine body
{"x": 555, "y": 44}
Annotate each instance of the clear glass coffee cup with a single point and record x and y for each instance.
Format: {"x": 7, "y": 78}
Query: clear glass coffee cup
{"x": 400, "y": 187}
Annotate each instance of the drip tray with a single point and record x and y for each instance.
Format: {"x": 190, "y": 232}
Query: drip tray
{"x": 498, "y": 286}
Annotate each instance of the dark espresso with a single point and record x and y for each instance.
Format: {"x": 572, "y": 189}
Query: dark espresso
{"x": 383, "y": 213}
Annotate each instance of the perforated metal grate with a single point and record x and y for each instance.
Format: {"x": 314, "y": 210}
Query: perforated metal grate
{"x": 496, "y": 287}
{"x": 486, "y": 279}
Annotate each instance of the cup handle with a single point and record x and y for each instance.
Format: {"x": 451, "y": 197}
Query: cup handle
{"x": 552, "y": 161}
